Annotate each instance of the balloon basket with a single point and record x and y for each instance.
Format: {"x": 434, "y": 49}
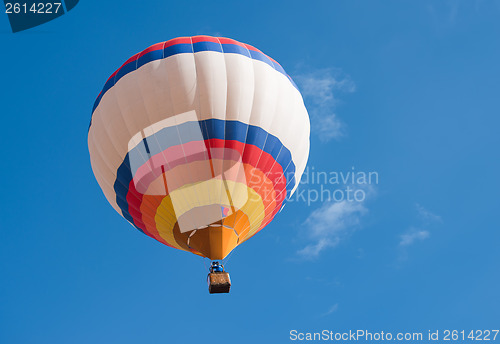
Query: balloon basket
{"x": 218, "y": 282}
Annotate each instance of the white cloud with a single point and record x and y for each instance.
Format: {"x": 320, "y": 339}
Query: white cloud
{"x": 320, "y": 85}
{"x": 319, "y": 89}
{"x": 412, "y": 236}
{"x": 329, "y": 127}
{"x": 328, "y": 225}
{"x": 426, "y": 216}
{"x": 331, "y": 310}
{"x": 419, "y": 233}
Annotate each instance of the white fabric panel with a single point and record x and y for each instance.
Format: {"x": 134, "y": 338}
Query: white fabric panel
{"x": 240, "y": 87}
{"x": 180, "y": 80}
{"x": 211, "y": 84}
{"x": 103, "y": 176}
{"x": 155, "y": 92}
{"x": 265, "y": 96}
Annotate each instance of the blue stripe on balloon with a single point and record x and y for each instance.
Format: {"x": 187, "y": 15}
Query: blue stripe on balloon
{"x": 257, "y": 55}
{"x": 215, "y": 129}
{"x": 272, "y": 146}
{"x": 123, "y": 178}
{"x": 129, "y": 67}
{"x": 151, "y": 56}
{"x": 210, "y": 129}
{"x": 195, "y": 131}
{"x": 256, "y": 136}
{"x": 110, "y": 83}
{"x": 207, "y": 46}
{"x": 236, "y": 131}
{"x": 175, "y": 49}
{"x": 235, "y": 49}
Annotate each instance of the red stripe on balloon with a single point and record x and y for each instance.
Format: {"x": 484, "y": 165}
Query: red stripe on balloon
{"x": 251, "y": 155}
{"x": 134, "y": 200}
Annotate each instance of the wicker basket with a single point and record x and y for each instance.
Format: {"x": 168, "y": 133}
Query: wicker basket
{"x": 218, "y": 282}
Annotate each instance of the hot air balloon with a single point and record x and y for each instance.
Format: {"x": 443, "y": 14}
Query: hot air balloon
{"x": 198, "y": 142}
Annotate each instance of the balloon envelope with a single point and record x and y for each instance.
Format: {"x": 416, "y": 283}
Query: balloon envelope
{"x": 198, "y": 142}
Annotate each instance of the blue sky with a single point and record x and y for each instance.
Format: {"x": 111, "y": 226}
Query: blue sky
{"x": 406, "y": 89}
